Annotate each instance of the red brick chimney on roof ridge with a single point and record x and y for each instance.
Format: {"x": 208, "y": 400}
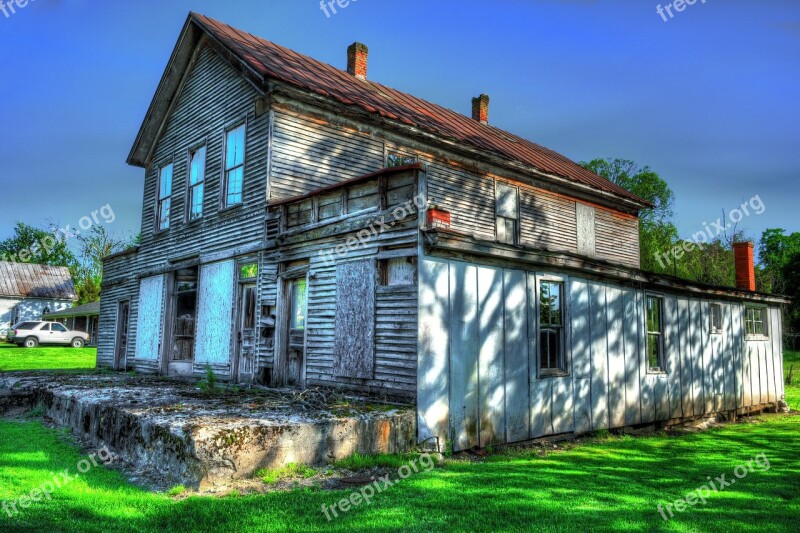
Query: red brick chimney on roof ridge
{"x": 745, "y": 266}
{"x": 357, "y": 60}
{"x": 480, "y": 108}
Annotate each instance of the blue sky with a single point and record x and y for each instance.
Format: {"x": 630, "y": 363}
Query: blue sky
{"x": 709, "y": 99}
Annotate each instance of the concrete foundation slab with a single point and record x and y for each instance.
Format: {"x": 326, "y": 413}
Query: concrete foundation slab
{"x": 202, "y": 439}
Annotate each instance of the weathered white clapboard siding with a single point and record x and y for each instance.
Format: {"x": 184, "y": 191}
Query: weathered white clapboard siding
{"x": 617, "y": 237}
{"x": 548, "y": 220}
{"x": 478, "y": 357}
{"x": 308, "y": 154}
{"x": 213, "y": 99}
{"x": 119, "y": 283}
{"x": 395, "y": 314}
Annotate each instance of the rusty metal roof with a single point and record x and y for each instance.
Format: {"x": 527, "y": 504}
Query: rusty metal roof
{"x": 277, "y": 62}
{"x": 27, "y": 280}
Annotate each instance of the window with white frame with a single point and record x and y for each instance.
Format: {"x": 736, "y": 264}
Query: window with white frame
{"x": 655, "y": 334}
{"x": 507, "y": 213}
{"x": 197, "y": 178}
{"x": 716, "y": 318}
{"x": 164, "y": 197}
{"x": 755, "y": 321}
{"x": 234, "y": 166}
{"x": 552, "y": 358}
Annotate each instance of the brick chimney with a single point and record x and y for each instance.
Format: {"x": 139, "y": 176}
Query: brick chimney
{"x": 745, "y": 267}
{"x": 480, "y": 109}
{"x": 357, "y": 60}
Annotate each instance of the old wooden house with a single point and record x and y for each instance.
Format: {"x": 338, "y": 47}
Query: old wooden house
{"x": 29, "y": 290}
{"x": 305, "y": 226}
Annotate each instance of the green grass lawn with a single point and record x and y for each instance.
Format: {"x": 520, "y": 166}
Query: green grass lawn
{"x": 608, "y": 483}
{"x": 45, "y": 358}
{"x": 612, "y": 483}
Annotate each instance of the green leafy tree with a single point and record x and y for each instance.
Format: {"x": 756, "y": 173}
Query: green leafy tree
{"x": 657, "y": 233}
{"x": 36, "y": 245}
{"x": 776, "y": 250}
{"x": 93, "y": 247}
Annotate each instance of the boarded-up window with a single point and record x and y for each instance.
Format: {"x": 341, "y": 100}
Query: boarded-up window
{"x": 400, "y": 190}
{"x": 330, "y": 205}
{"x": 584, "y": 215}
{"x": 298, "y": 213}
{"x": 150, "y": 318}
{"x": 215, "y": 312}
{"x": 507, "y": 211}
{"x": 355, "y": 319}
{"x": 363, "y": 196}
{"x": 398, "y": 271}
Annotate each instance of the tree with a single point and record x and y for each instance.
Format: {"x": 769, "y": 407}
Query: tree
{"x": 776, "y": 250}
{"x": 35, "y": 245}
{"x": 657, "y": 233}
{"x": 93, "y": 247}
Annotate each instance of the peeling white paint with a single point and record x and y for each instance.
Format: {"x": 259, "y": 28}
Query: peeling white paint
{"x": 215, "y": 313}
{"x": 150, "y": 318}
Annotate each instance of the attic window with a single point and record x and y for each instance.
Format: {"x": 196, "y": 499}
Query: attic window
{"x": 394, "y": 159}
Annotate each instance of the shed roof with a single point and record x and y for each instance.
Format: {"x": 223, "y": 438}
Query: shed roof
{"x": 272, "y": 61}
{"x": 90, "y": 309}
{"x": 28, "y": 280}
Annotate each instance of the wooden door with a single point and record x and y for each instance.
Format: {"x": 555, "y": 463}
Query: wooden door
{"x": 246, "y": 336}
{"x": 120, "y": 355}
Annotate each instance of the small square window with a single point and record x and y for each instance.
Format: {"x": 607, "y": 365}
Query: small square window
{"x": 398, "y": 271}
{"x": 755, "y": 321}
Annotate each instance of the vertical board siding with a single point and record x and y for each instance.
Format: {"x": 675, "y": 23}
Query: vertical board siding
{"x": 149, "y": 321}
{"x": 490, "y": 357}
{"x": 599, "y": 384}
{"x": 616, "y": 357}
{"x": 672, "y": 352}
{"x": 633, "y": 399}
{"x": 484, "y": 322}
{"x": 464, "y": 349}
{"x": 581, "y": 348}
{"x": 433, "y": 372}
{"x": 696, "y": 350}
{"x": 517, "y": 358}
{"x": 215, "y": 299}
